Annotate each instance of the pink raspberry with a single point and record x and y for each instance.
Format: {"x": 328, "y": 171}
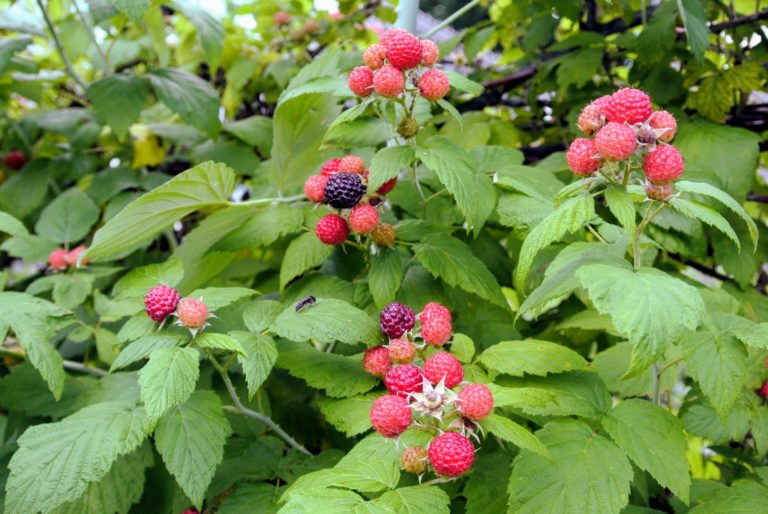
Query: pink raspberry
{"x": 282, "y": 18}
{"x": 360, "y": 81}
{"x": 314, "y": 188}
{"x": 363, "y": 219}
{"x": 387, "y": 36}
{"x": 192, "y": 312}
{"x": 388, "y": 81}
{"x": 451, "y": 454}
{"x": 592, "y": 117}
{"x": 374, "y": 56}
{"x": 161, "y": 301}
{"x": 443, "y": 366}
{"x": 615, "y": 141}
{"x": 330, "y": 167}
{"x": 401, "y": 351}
{"x": 435, "y": 324}
{"x": 663, "y": 120}
{"x": 58, "y": 259}
{"x": 582, "y": 156}
{"x": 390, "y": 415}
{"x": 628, "y": 105}
{"x": 403, "y": 380}
{"x": 430, "y": 53}
{"x": 414, "y": 460}
{"x": 396, "y": 319}
{"x": 376, "y": 361}
{"x": 403, "y": 50}
{"x": 74, "y": 254}
{"x": 660, "y": 192}
{"x": 351, "y": 164}
{"x": 663, "y": 164}
{"x": 332, "y": 229}
{"x": 434, "y": 85}
{"x": 475, "y": 401}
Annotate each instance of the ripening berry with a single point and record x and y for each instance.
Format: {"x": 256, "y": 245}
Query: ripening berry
{"x": 15, "y": 159}
{"x": 351, "y": 164}
{"x": 388, "y": 81}
{"x": 435, "y": 324}
{"x": 390, "y": 415}
{"x": 58, "y": 259}
{"x": 628, "y": 105}
{"x": 332, "y": 229}
{"x": 192, "y": 313}
{"x": 74, "y": 254}
{"x": 615, "y": 141}
{"x": 660, "y": 192}
{"x": 434, "y": 85}
{"x": 403, "y": 50}
{"x": 763, "y": 391}
{"x": 401, "y": 351}
{"x": 430, "y": 52}
{"x": 414, "y": 460}
{"x": 160, "y": 302}
{"x": 374, "y": 56}
{"x": 582, "y": 156}
{"x": 403, "y": 380}
{"x": 360, "y": 81}
{"x": 330, "y": 167}
{"x": 314, "y": 188}
{"x": 384, "y": 235}
{"x": 282, "y": 18}
{"x": 363, "y": 219}
{"x": 386, "y": 187}
{"x": 592, "y": 117}
{"x": 451, "y": 454}
{"x": 376, "y": 361}
{"x": 662, "y": 120}
{"x": 396, "y": 319}
{"x": 663, "y": 164}
{"x": 475, "y": 401}
{"x": 443, "y": 366}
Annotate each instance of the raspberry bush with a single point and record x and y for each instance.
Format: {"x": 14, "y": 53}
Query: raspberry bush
{"x": 282, "y": 260}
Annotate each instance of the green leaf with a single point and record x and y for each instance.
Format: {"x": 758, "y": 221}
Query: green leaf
{"x": 341, "y": 376}
{"x": 190, "y": 438}
{"x": 304, "y": 253}
{"x": 327, "y": 320}
{"x": 706, "y": 214}
{"x": 579, "y": 67}
{"x": 254, "y": 131}
{"x": 68, "y": 218}
{"x": 418, "y": 499}
{"x": 263, "y": 228}
{"x": 385, "y": 276}
{"x": 514, "y": 433}
{"x": 219, "y": 297}
{"x": 11, "y": 225}
{"x": 168, "y": 379}
{"x": 462, "y": 83}
{"x": 339, "y": 501}
{"x": 350, "y": 415}
{"x": 743, "y": 497}
{"x": 452, "y": 261}
{"x": 587, "y": 473}
{"x": 134, "y": 9}
{"x": 694, "y": 19}
{"x": 10, "y": 46}
{"x": 56, "y": 462}
{"x": 192, "y": 98}
{"x": 216, "y": 341}
{"x": 647, "y": 306}
{"x": 250, "y": 497}
{"x": 572, "y": 215}
{"x": 259, "y": 315}
{"x": 260, "y": 355}
{"x": 534, "y": 182}
{"x": 205, "y": 185}
{"x": 655, "y": 440}
{"x": 359, "y": 132}
{"x": 531, "y": 356}
{"x": 142, "y": 348}
{"x": 137, "y": 326}
{"x": 387, "y": 164}
{"x": 139, "y": 281}
{"x": 621, "y": 204}
{"x": 118, "y": 100}
{"x": 463, "y": 347}
{"x": 209, "y": 30}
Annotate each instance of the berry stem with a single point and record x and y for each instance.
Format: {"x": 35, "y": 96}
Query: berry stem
{"x": 263, "y": 201}
{"x": 647, "y": 218}
{"x": 67, "y": 364}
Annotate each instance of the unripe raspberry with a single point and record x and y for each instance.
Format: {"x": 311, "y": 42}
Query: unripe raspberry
{"x": 160, "y": 302}
{"x": 58, "y": 259}
{"x": 403, "y": 50}
{"x": 282, "y": 18}
{"x": 434, "y": 85}
{"x": 388, "y": 81}
{"x": 443, "y": 366}
{"x": 360, "y": 81}
{"x": 330, "y": 167}
{"x": 475, "y": 401}
{"x": 582, "y": 156}
{"x": 414, "y": 460}
{"x": 351, "y": 164}
{"x": 615, "y": 141}
{"x": 401, "y": 351}
{"x": 332, "y": 229}
{"x": 403, "y": 380}
{"x": 763, "y": 391}
{"x": 310, "y": 27}
{"x": 435, "y": 324}
{"x": 396, "y": 319}
{"x": 628, "y": 105}
{"x": 15, "y": 160}
{"x": 192, "y": 312}
{"x": 384, "y": 235}
{"x": 374, "y": 56}
{"x": 663, "y": 164}
{"x": 430, "y": 53}
{"x": 376, "y": 361}
{"x": 74, "y": 254}
{"x": 408, "y": 127}
{"x": 660, "y": 192}
{"x": 451, "y": 454}
{"x": 662, "y": 120}
{"x": 314, "y": 188}
{"x": 592, "y": 117}
{"x": 363, "y": 219}
{"x": 390, "y": 415}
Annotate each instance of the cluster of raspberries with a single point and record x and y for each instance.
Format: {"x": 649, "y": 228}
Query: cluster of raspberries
{"x": 393, "y": 63}
{"x": 342, "y": 184}
{"x": 624, "y": 124}
{"x": 60, "y": 259}
{"x": 426, "y": 396}
{"x": 161, "y": 301}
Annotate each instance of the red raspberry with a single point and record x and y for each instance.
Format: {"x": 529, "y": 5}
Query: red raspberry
{"x": 190, "y": 511}
{"x": 435, "y": 324}
{"x": 763, "y": 391}
{"x": 663, "y": 120}
{"x": 310, "y": 27}
{"x": 661, "y": 192}
{"x": 192, "y": 312}
{"x": 396, "y": 319}
{"x": 161, "y": 301}
{"x": 332, "y": 229}
{"x": 386, "y": 187}
{"x": 15, "y": 160}
{"x": 401, "y": 351}
{"x": 376, "y": 361}
{"x": 387, "y": 36}
{"x": 314, "y": 188}
{"x": 582, "y": 156}
{"x": 330, "y": 167}
{"x": 592, "y": 117}
{"x": 58, "y": 259}
{"x": 628, "y": 105}
{"x": 384, "y": 235}
{"x": 430, "y": 53}
{"x": 74, "y": 254}
{"x": 282, "y": 18}
{"x": 615, "y": 141}
{"x": 663, "y": 164}
{"x": 363, "y": 219}
{"x": 434, "y": 85}
{"x": 404, "y": 379}
{"x": 414, "y": 460}
{"x": 374, "y": 56}
{"x": 360, "y": 81}
{"x": 351, "y": 164}
{"x": 403, "y": 50}
{"x": 475, "y": 401}
{"x": 390, "y": 415}
{"x": 443, "y": 366}
{"x": 451, "y": 454}
{"x": 388, "y": 81}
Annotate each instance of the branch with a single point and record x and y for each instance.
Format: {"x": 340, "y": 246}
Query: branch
{"x": 78, "y": 366}
{"x": 752, "y": 197}
{"x": 741, "y": 20}
{"x": 699, "y": 267}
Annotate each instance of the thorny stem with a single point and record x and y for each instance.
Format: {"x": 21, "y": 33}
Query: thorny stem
{"x": 647, "y": 218}
{"x": 57, "y": 42}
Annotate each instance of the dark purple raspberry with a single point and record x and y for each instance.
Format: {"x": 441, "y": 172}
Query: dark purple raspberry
{"x": 397, "y": 319}
{"x": 344, "y": 190}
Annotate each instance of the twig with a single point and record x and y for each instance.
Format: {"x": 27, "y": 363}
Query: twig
{"x": 741, "y": 20}
{"x": 265, "y": 201}
{"x": 92, "y": 35}
{"x": 64, "y": 58}
{"x": 450, "y": 19}
{"x": 752, "y": 197}
{"x": 78, "y": 366}
{"x": 699, "y": 267}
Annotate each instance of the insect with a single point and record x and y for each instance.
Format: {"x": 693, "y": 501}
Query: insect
{"x": 306, "y": 302}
